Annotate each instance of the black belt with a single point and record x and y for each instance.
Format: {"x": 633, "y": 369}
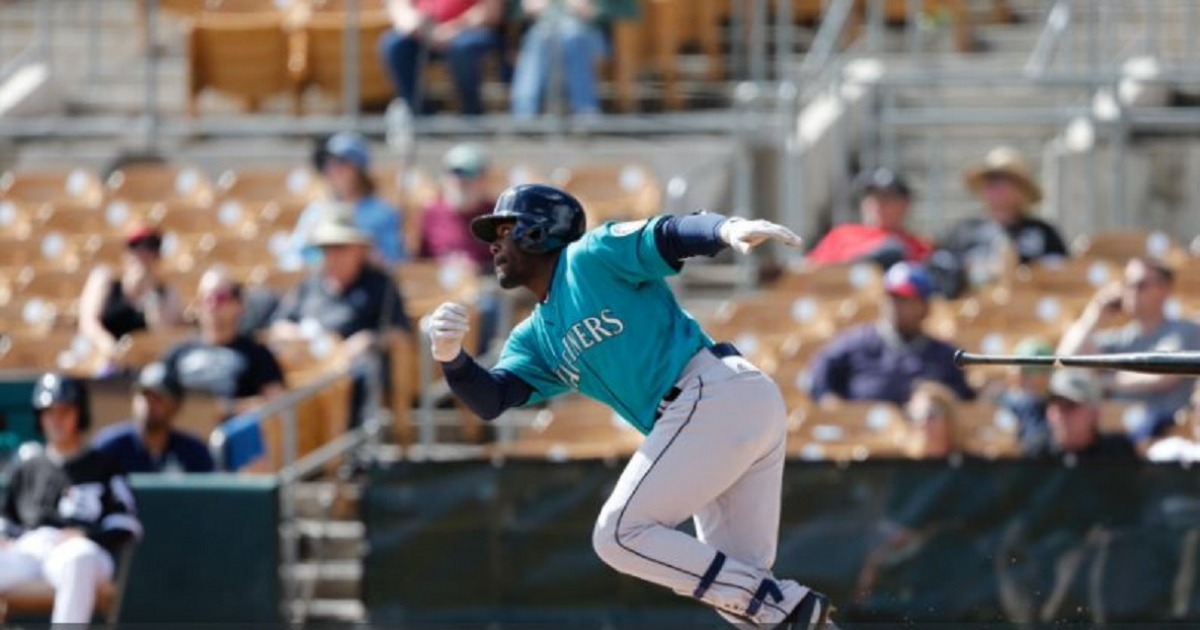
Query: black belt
{"x": 719, "y": 350}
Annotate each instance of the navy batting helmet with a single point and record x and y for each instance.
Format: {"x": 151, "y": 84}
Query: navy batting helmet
{"x": 547, "y": 219}
{"x": 52, "y": 388}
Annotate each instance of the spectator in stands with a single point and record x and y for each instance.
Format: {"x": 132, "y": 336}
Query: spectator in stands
{"x": 1147, "y": 286}
{"x": 148, "y": 443}
{"x": 446, "y": 225}
{"x": 462, "y": 32}
{"x": 1027, "y": 395}
{"x": 561, "y": 49}
{"x": 931, "y": 408}
{"x": 1073, "y": 414}
{"x": 882, "y": 360}
{"x": 113, "y": 306}
{"x": 220, "y": 361}
{"x": 465, "y": 194}
{"x": 345, "y": 163}
{"x": 68, "y": 510}
{"x": 884, "y": 199}
{"x": 978, "y": 249}
{"x": 348, "y": 296}
{"x": 1184, "y": 446}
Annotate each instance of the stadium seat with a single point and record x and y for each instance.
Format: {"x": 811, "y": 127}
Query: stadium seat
{"x": 425, "y": 284}
{"x": 52, "y": 251}
{"x": 1118, "y": 247}
{"x": 55, "y": 349}
{"x": 987, "y": 430}
{"x": 612, "y": 192}
{"x": 847, "y": 430}
{"x": 1077, "y": 276}
{"x": 147, "y": 346}
{"x": 244, "y": 56}
{"x": 161, "y": 182}
{"x": 1121, "y": 416}
{"x": 17, "y": 219}
{"x": 320, "y": 50}
{"x": 572, "y": 427}
{"x": 80, "y": 220}
{"x": 263, "y": 184}
{"x": 27, "y": 315}
{"x": 75, "y": 186}
{"x": 858, "y": 280}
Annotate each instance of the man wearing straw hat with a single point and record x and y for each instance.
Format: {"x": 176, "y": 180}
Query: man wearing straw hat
{"x": 348, "y": 296}
{"x": 1009, "y": 192}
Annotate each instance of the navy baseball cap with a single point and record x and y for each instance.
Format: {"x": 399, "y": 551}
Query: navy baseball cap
{"x": 158, "y": 378}
{"x": 908, "y": 280}
{"x": 351, "y": 147}
{"x": 880, "y": 180}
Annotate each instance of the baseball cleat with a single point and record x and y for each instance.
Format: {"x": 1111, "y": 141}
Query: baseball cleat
{"x": 812, "y": 613}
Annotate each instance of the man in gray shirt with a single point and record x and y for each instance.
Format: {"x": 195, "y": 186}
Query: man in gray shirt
{"x": 1143, "y": 296}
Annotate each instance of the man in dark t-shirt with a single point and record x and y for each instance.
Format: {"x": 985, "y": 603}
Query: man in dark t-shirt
{"x": 977, "y": 248}
{"x": 148, "y": 443}
{"x": 220, "y": 361}
{"x": 1073, "y": 414}
{"x": 348, "y": 296}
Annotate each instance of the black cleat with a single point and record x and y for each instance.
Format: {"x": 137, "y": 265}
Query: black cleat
{"x": 812, "y": 613}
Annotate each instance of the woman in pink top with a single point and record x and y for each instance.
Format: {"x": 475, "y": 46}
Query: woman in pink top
{"x": 461, "y": 32}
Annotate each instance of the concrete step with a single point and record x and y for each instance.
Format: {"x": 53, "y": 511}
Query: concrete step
{"x": 337, "y": 580}
{"x": 324, "y": 501}
{"x": 331, "y": 540}
{"x": 330, "y": 610}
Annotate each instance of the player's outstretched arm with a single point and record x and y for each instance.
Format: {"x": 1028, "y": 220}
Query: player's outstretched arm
{"x": 488, "y": 393}
{"x": 706, "y": 234}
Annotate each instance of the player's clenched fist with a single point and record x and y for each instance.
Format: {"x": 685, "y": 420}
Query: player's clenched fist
{"x": 448, "y": 325}
{"x": 743, "y": 235}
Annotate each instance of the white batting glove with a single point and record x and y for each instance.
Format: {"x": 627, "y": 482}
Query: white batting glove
{"x": 743, "y": 235}
{"x": 447, "y": 326}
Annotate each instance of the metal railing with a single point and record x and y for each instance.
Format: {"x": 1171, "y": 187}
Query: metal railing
{"x": 295, "y": 468}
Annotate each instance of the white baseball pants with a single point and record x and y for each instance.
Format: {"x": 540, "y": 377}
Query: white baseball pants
{"x": 75, "y": 567}
{"x": 716, "y": 455}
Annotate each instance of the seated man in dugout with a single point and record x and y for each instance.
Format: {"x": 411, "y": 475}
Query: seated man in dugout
{"x": 68, "y": 509}
{"x": 149, "y": 443}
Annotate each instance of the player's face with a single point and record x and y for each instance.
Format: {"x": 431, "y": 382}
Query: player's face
{"x": 153, "y": 409}
{"x": 1072, "y": 424}
{"x": 60, "y": 422}
{"x": 513, "y": 267}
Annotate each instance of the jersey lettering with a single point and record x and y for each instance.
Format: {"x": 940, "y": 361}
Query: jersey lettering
{"x": 582, "y": 335}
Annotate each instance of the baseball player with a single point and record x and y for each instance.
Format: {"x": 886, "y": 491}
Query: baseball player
{"x": 607, "y": 325}
{"x": 68, "y": 508}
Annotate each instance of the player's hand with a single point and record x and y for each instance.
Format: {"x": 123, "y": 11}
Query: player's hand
{"x": 447, "y": 327}
{"x": 743, "y": 235}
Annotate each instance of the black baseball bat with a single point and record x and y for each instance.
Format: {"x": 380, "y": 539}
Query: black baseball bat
{"x": 1184, "y": 363}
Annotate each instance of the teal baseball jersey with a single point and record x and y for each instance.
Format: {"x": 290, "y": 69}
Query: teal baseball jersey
{"x": 610, "y": 327}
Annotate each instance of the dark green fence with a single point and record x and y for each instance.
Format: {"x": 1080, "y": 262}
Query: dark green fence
{"x": 460, "y": 544}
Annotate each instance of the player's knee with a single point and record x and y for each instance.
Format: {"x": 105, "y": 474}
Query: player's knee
{"x": 81, "y": 556}
{"x": 614, "y": 538}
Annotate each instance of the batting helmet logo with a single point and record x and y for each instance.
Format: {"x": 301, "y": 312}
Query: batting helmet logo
{"x": 545, "y": 218}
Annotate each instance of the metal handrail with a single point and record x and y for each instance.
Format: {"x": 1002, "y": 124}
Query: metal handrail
{"x": 1057, "y": 21}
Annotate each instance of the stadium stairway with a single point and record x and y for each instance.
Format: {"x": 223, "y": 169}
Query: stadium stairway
{"x": 332, "y": 541}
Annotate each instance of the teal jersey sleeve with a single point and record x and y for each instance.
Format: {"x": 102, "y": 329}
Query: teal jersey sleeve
{"x": 522, "y": 357}
{"x": 629, "y": 250}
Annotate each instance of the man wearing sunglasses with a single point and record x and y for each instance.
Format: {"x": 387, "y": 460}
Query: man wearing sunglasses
{"x": 1143, "y": 297}
{"x": 220, "y": 361}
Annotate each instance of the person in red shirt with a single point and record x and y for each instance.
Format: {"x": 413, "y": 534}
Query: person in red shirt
{"x": 465, "y": 194}
{"x": 446, "y": 227}
{"x": 462, "y": 32}
{"x": 881, "y": 237}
